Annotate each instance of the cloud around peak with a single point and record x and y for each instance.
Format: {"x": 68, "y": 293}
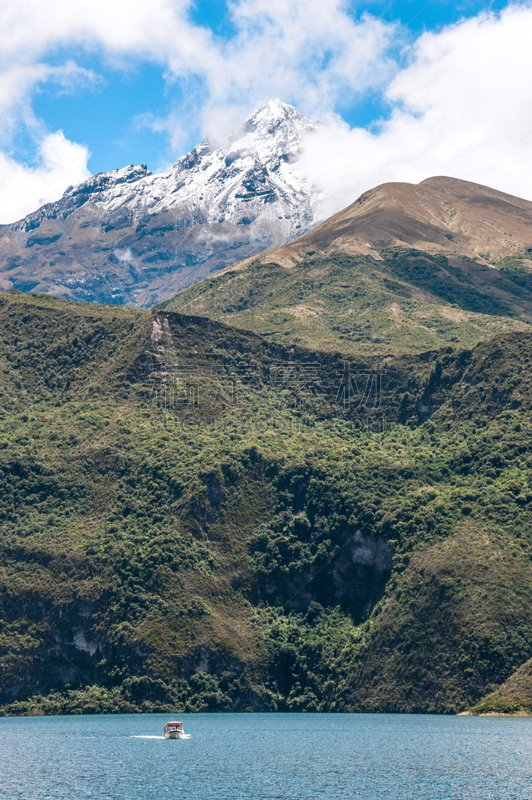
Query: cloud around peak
{"x": 462, "y": 107}
{"x": 306, "y": 52}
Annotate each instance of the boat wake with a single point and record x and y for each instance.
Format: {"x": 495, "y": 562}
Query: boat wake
{"x": 145, "y": 736}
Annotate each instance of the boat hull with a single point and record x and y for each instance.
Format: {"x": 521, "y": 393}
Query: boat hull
{"x": 174, "y": 735}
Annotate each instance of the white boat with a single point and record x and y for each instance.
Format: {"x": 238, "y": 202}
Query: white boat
{"x": 173, "y": 730}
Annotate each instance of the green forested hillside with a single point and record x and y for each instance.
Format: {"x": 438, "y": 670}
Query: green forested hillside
{"x": 406, "y": 301}
{"x": 193, "y": 517}
{"x": 513, "y": 698}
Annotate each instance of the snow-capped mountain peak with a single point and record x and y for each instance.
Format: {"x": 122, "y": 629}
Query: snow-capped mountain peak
{"x": 267, "y": 119}
{"x": 219, "y": 203}
{"x": 256, "y": 166}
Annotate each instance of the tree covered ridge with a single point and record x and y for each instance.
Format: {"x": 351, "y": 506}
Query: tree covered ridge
{"x": 261, "y": 543}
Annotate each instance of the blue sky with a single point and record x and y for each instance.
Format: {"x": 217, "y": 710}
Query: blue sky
{"x": 90, "y": 87}
{"x": 108, "y": 118}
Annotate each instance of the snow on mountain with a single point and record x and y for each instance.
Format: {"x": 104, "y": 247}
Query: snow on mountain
{"x": 129, "y": 236}
{"x": 253, "y": 176}
{"x": 255, "y": 168}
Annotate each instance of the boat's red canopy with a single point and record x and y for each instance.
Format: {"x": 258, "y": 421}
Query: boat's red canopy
{"x": 173, "y": 723}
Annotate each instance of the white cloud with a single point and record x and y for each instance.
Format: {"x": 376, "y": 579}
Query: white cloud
{"x": 23, "y": 189}
{"x": 308, "y": 52}
{"x": 463, "y": 107}
{"x": 305, "y": 51}
{"x": 119, "y": 25}
{"x": 124, "y": 256}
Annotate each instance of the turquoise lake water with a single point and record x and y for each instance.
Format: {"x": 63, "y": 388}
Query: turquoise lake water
{"x": 274, "y": 756}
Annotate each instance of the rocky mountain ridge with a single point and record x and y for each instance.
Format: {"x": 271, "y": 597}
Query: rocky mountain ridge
{"x": 130, "y": 237}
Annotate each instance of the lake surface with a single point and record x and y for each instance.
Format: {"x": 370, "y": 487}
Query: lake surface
{"x": 277, "y": 756}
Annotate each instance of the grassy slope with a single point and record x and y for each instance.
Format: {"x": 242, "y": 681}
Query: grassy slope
{"x": 267, "y": 551}
{"x": 409, "y": 302}
{"x": 513, "y": 698}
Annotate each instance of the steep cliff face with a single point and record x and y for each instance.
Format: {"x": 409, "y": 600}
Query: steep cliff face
{"x": 128, "y": 236}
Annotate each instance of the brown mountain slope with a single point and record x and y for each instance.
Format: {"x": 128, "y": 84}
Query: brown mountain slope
{"x": 115, "y": 259}
{"x": 438, "y": 215}
{"x": 404, "y": 268}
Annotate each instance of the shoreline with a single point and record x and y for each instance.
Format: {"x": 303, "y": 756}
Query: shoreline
{"x": 520, "y": 714}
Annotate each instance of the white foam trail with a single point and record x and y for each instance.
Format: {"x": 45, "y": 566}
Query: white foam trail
{"x": 145, "y": 736}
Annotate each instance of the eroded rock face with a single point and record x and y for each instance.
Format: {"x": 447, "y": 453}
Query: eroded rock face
{"x": 130, "y": 237}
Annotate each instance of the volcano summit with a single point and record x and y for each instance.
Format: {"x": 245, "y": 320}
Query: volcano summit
{"x": 130, "y": 237}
